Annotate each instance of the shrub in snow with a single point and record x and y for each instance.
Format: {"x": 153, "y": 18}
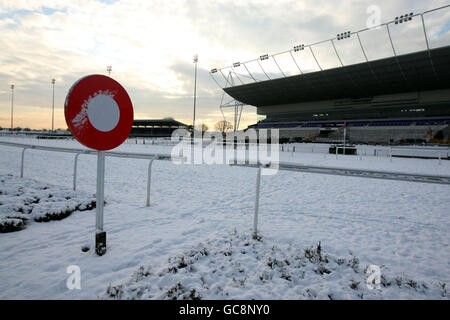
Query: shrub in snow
{"x": 24, "y": 200}
{"x": 237, "y": 266}
{"x": 11, "y": 224}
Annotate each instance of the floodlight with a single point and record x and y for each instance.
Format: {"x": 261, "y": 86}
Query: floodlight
{"x": 404, "y": 18}
{"x": 343, "y": 35}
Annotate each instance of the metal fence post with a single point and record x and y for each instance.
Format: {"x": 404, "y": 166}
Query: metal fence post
{"x": 100, "y": 234}
{"x": 390, "y": 154}
{"x": 336, "y": 152}
{"x": 75, "y": 172}
{"x": 255, "y": 219}
{"x": 22, "y": 161}
{"x": 149, "y": 181}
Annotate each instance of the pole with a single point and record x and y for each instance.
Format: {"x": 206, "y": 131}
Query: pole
{"x": 345, "y": 135}
{"x": 255, "y": 219}
{"x": 149, "y": 181}
{"x": 100, "y": 235}
{"x": 195, "y": 91}
{"x": 22, "y": 161}
{"x": 235, "y": 116}
{"x": 53, "y": 106}
{"x": 12, "y": 105}
{"x": 75, "y": 172}
{"x": 425, "y": 34}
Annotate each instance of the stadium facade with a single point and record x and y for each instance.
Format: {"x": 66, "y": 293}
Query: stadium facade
{"x": 401, "y": 98}
{"x": 155, "y": 127}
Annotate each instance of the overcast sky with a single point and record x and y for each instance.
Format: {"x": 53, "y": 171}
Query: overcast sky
{"x": 150, "y": 45}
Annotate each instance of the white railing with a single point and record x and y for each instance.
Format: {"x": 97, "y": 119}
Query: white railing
{"x": 149, "y": 156}
{"x": 372, "y": 174}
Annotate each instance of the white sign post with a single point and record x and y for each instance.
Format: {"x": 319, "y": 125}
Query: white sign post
{"x": 99, "y": 114}
{"x": 100, "y": 235}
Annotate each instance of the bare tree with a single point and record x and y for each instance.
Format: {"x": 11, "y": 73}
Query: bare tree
{"x": 223, "y": 126}
{"x": 204, "y": 128}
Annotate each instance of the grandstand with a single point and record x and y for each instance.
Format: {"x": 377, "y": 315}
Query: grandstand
{"x": 399, "y": 98}
{"x": 156, "y": 128}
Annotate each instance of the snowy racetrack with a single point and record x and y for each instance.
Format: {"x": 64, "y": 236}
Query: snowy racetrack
{"x": 401, "y": 226}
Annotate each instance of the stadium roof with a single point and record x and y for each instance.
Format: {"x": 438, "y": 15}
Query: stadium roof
{"x": 418, "y": 71}
{"x": 158, "y": 122}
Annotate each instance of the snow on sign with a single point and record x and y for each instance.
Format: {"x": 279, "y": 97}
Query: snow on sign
{"x": 98, "y": 112}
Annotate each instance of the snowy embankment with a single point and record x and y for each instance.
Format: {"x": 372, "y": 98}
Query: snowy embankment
{"x": 402, "y": 227}
{"x": 238, "y": 266}
{"x": 24, "y": 200}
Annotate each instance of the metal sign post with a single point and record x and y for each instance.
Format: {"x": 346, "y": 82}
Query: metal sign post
{"x": 149, "y": 181}
{"x": 255, "y": 217}
{"x": 100, "y": 235}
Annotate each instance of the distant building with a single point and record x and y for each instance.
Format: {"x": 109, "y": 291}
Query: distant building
{"x": 156, "y": 128}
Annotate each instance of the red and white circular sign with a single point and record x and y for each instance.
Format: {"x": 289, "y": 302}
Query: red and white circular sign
{"x": 98, "y": 112}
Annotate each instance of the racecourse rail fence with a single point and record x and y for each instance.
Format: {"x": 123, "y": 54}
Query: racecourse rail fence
{"x": 373, "y": 174}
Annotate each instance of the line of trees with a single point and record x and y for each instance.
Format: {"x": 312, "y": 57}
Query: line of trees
{"x": 220, "y": 126}
{"x": 223, "y": 126}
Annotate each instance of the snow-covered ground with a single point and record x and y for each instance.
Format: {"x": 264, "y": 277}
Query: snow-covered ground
{"x": 402, "y": 227}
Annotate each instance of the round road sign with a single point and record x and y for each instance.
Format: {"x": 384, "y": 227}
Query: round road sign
{"x": 98, "y": 112}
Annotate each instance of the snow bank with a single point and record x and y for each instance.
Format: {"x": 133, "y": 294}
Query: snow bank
{"x": 24, "y": 200}
{"x": 237, "y": 266}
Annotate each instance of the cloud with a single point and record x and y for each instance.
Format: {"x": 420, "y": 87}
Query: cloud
{"x": 150, "y": 45}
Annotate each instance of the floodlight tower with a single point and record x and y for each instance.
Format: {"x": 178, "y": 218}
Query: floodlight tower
{"x": 195, "y": 90}
{"x": 109, "y": 69}
{"x": 53, "y": 105}
{"x": 12, "y": 104}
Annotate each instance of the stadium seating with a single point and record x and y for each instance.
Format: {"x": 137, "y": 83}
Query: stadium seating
{"x": 375, "y": 123}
